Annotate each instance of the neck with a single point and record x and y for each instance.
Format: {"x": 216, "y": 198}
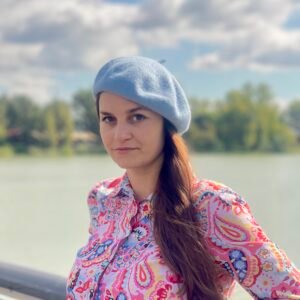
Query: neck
{"x": 144, "y": 180}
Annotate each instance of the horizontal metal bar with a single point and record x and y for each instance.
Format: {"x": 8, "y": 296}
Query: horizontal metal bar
{"x": 26, "y": 281}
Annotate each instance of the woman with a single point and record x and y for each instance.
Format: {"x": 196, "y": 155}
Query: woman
{"x": 158, "y": 232}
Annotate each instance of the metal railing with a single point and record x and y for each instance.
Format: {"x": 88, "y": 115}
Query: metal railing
{"x": 23, "y": 283}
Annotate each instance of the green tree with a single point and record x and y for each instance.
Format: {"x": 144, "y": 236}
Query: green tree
{"x": 259, "y": 94}
{"x": 23, "y": 117}
{"x": 292, "y": 117}
{"x": 202, "y": 133}
{"x": 58, "y": 123}
{"x": 250, "y": 120}
{"x": 85, "y": 112}
{"x": 3, "y": 129}
{"x": 236, "y": 122}
{"x": 272, "y": 133}
{"x": 50, "y": 129}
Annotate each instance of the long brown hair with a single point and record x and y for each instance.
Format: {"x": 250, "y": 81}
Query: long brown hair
{"x": 176, "y": 230}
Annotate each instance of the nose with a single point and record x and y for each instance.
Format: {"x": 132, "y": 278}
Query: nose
{"x": 122, "y": 132}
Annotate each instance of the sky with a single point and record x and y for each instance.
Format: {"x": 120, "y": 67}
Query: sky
{"x": 51, "y": 49}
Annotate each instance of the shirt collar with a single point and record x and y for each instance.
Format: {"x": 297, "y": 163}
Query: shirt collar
{"x": 123, "y": 187}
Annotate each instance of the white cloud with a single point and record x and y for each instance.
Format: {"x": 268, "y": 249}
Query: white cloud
{"x": 258, "y": 42}
{"x": 66, "y": 31}
{"x": 44, "y": 38}
{"x": 29, "y": 82}
{"x": 40, "y": 39}
{"x": 261, "y": 49}
{"x": 246, "y": 34}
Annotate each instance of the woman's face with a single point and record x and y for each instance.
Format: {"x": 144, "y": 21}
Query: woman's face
{"x": 132, "y": 134}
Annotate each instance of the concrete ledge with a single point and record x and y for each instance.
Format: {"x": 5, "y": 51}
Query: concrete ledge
{"x": 16, "y": 281}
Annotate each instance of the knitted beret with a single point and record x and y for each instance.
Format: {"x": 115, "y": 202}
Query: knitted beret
{"x": 148, "y": 83}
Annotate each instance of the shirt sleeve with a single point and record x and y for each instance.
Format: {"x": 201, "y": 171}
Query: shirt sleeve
{"x": 93, "y": 207}
{"x": 241, "y": 247}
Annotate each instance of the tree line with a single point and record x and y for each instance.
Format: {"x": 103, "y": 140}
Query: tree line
{"x": 246, "y": 119}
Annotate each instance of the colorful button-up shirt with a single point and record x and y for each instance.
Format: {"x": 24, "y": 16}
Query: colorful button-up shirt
{"x": 122, "y": 260}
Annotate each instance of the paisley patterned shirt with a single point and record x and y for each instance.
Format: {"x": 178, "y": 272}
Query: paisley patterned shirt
{"x": 122, "y": 261}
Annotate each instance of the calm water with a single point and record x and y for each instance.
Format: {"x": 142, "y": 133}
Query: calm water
{"x": 44, "y": 217}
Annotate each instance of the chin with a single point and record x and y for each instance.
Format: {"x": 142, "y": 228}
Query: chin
{"x": 135, "y": 162}
{"x": 127, "y": 163}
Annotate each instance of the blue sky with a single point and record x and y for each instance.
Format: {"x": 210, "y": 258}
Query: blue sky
{"x": 53, "y": 48}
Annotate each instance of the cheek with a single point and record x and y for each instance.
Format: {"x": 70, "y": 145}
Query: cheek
{"x": 156, "y": 139}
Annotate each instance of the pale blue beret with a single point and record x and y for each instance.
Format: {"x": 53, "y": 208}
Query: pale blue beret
{"x": 147, "y": 82}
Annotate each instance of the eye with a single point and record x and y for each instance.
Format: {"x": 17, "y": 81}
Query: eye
{"x": 138, "y": 117}
{"x": 107, "y": 119}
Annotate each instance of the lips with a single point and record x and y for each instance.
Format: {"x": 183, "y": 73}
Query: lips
{"x": 124, "y": 150}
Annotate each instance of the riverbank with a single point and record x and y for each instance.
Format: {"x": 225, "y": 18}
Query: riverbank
{"x": 8, "y": 152}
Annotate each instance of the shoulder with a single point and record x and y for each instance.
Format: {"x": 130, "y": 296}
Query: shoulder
{"x": 204, "y": 190}
{"x": 106, "y": 185}
{"x": 102, "y": 189}
{"x": 216, "y": 203}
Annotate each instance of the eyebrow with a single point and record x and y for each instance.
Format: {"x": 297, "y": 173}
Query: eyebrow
{"x": 132, "y": 110}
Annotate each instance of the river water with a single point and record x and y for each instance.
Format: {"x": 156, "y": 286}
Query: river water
{"x": 44, "y": 217}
